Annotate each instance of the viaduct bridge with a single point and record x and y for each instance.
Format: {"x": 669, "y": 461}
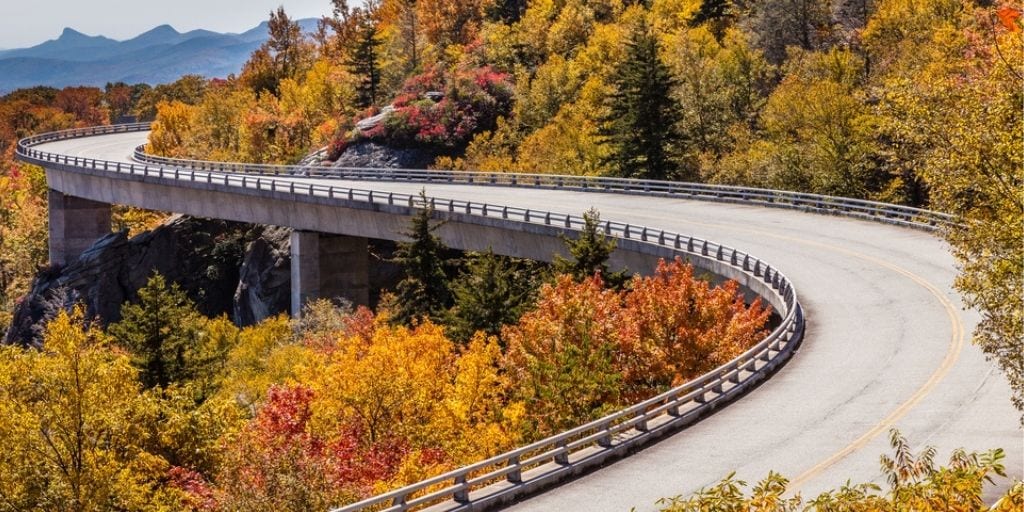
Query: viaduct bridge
{"x": 873, "y": 335}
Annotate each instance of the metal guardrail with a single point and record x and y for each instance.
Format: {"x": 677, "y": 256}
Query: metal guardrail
{"x": 871, "y": 210}
{"x": 548, "y": 461}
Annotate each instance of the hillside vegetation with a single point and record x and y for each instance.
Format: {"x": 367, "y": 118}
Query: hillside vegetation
{"x": 914, "y": 102}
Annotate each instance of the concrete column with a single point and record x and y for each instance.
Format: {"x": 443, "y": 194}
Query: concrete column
{"x": 329, "y": 266}
{"x": 75, "y": 224}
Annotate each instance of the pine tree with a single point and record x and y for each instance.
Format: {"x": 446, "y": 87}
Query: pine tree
{"x": 641, "y": 125}
{"x": 590, "y": 253}
{"x": 363, "y": 60}
{"x": 716, "y": 14}
{"x": 425, "y": 290}
{"x": 493, "y": 291}
{"x": 161, "y": 331}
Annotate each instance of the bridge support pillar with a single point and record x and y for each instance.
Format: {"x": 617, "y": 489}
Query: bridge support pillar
{"x": 75, "y": 224}
{"x": 329, "y": 266}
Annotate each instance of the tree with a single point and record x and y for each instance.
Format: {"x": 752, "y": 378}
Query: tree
{"x": 403, "y": 15}
{"x": 964, "y": 116}
{"x": 590, "y": 253}
{"x": 451, "y": 22}
{"x": 173, "y": 130}
{"x": 85, "y": 103}
{"x": 188, "y": 89}
{"x": 162, "y": 331}
{"x": 418, "y": 363}
{"x": 779, "y": 24}
{"x": 506, "y": 11}
{"x": 425, "y": 291}
{"x": 714, "y": 13}
{"x": 676, "y": 327}
{"x": 640, "y": 127}
{"x": 492, "y": 291}
{"x": 363, "y": 60}
{"x": 279, "y": 462}
{"x": 68, "y": 427}
{"x": 560, "y": 356}
{"x": 285, "y": 54}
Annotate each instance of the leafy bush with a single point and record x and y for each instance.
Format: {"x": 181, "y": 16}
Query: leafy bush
{"x": 473, "y": 101}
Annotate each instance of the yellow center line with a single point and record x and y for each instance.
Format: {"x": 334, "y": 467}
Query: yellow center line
{"x": 956, "y": 345}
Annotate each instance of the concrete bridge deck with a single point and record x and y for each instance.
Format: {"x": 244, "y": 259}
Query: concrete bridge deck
{"x": 887, "y": 345}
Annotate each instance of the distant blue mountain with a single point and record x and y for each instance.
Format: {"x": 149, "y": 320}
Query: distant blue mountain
{"x": 157, "y": 56}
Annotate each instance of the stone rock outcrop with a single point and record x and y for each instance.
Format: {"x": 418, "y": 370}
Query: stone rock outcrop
{"x": 205, "y": 257}
{"x": 265, "y": 278}
{"x": 373, "y": 155}
{"x": 225, "y": 267}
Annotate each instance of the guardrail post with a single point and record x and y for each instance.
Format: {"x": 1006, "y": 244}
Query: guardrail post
{"x": 561, "y": 457}
{"x": 673, "y": 410}
{"x": 516, "y": 475}
{"x": 605, "y": 441}
{"x": 399, "y": 501}
{"x": 462, "y": 494}
{"x": 689, "y": 244}
{"x": 704, "y": 248}
{"x": 642, "y": 424}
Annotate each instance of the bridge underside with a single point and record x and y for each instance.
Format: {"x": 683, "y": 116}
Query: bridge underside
{"x": 329, "y": 266}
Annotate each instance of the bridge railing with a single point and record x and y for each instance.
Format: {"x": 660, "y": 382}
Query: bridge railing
{"x": 873, "y": 210}
{"x": 548, "y": 461}
{"x": 859, "y": 208}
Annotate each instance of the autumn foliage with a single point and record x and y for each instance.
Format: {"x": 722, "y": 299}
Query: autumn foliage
{"x": 585, "y": 348}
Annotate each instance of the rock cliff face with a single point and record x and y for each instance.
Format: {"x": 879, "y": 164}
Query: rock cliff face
{"x": 227, "y": 268}
{"x": 205, "y": 258}
{"x": 373, "y": 155}
{"x": 265, "y": 278}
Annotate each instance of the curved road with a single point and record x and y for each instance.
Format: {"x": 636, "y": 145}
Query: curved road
{"x": 887, "y": 345}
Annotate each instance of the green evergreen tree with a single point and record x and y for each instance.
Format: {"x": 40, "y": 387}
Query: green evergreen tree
{"x": 425, "y": 291}
{"x": 590, "y": 253}
{"x": 162, "y": 331}
{"x": 640, "y": 126}
{"x": 506, "y": 11}
{"x": 363, "y": 60}
{"x": 716, "y": 14}
{"x": 492, "y": 291}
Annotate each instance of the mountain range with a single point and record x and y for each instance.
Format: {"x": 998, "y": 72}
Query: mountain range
{"x": 157, "y": 56}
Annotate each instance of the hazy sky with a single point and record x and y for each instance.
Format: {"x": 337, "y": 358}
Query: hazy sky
{"x": 29, "y": 22}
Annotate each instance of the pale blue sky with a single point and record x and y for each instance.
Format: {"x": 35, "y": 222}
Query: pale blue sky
{"x": 29, "y": 22}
